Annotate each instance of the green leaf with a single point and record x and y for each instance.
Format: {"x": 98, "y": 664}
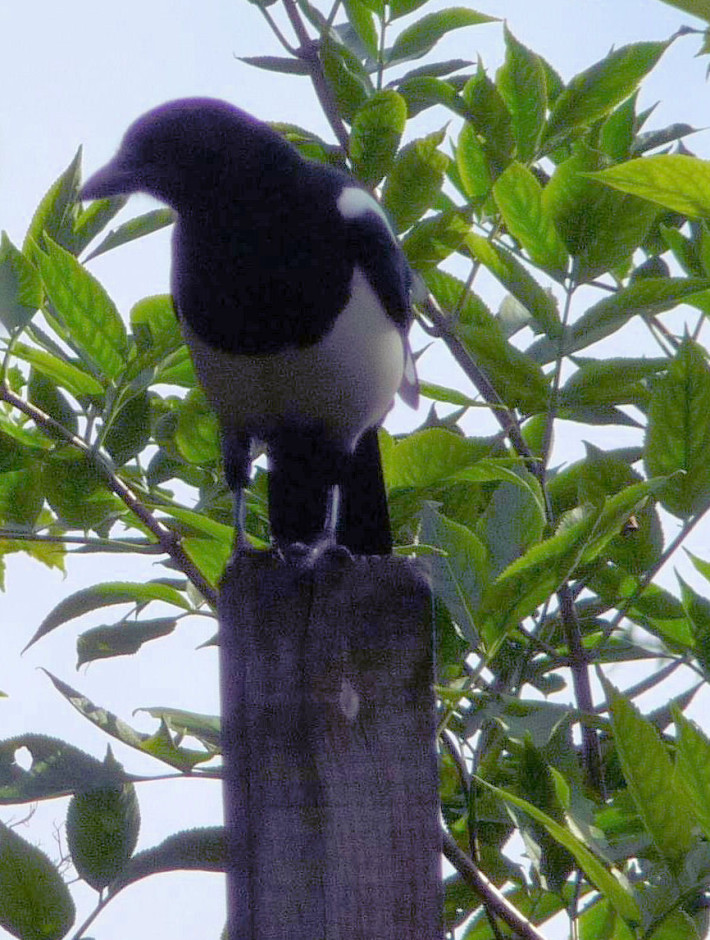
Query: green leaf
{"x": 430, "y": 456}
{"x": 92, "y": 219}
{"x": 75, "y": 488}
{"x": 57, "y": 769}
{"x": 106, "y": 595}
{"x": 35, "y": 904}
{"x": 530, "y": 580}
{"x": 415, "y": 180}
{"x": 648, "y": 772}
{"x": 348, "y": 80}
{"x": 361, "y": 19}
{"x": 693, "y": 768}
{"x": 489, "y": 116}
{"x": 600, "y": 227}
{"x": 43, "y": 393}
{"x": 697, "y": 609}
{"x": 197, "y": 434}
{"x": 513, "y": 276}
{"x": 699, "y": 8}
{"x": 94, "y": 326}
{"x": 674, "y": 180}
{"x": 285, "y": 65}
{"x": 206, "y": 728}
{"x": 155, "y": 327}
{"x": 20, "y": 287}
{"x": 21, "y": 497}
{"x": 513, "y": 521}
{"x": 129, "y": 429}
{"x": 375, "y": 135}
{"x": 56, "y": 212}
{"x": 678, "y": 432}
{"x": 596, "y": 91}
{"x": 615, "y": 381}
{"x": 521, "y": 83}
{"x": 519, "y": 198}
{"x": 433, "y": 239}
{"x": 134, "y": 228}
{"x": 160, "y": 745}
{"x": 650, "y": 295}
{"x": 102, "y": 831}
{"x": 70, "y": 376}
{"x": 460, "y": 576}
{"x": 518, "y": 380}
{"x": 191, "y": 850}
{"x": 613, "y": 890}
{"x": 120, "y": 639}
{"x": 421, "y": 37}
{"x": 472, "y": 164}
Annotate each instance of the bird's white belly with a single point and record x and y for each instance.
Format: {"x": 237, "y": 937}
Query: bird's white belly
{"x": 345, "y": 382}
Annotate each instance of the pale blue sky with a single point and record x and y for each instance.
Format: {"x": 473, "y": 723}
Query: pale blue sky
{"x": 78, "y": 72}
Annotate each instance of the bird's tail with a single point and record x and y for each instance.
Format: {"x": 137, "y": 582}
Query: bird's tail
{"x": 363, "y": 519}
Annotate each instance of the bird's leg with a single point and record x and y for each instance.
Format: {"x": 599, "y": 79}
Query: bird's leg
{"x": 332, "y": 513}
{"x": 235, "y": 453}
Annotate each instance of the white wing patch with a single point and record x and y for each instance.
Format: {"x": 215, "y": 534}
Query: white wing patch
{"x": 354, "y": 202}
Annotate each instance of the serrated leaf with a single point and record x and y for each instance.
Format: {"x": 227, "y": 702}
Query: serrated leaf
{"x": 613, "y": 890}
{"x": 675, "y": 180}
{"x": 677, "y": 441}
{"x": 460, "y": 576}
{"x": 102, "y": 830}
{"x": 596, "y": 91}
{"x": 649, "y": 775}
{"x": 521, "y": 83}
{"x": 191, "y": 850}
{"x": 20, "y": 287}
{"x": 56, "y": 212}
{"x": 415, "y": 180}
{"x": 519, "y": 198}
{"x": 159, "y": 745}
{"x": 650, "y": 295}
{"x": 134, "y": 228}
{"x": 610, "y": 381}
{"x": 530, "y": 580}
{"x": 513, "y": 276}
{"x": 206, "y": 728}
{"x": 105, "y": 595}
{"x": 693, "y": 767}
{"x": 35, "y": 903}
{"x": 362, "y": 21}
{"x": 490, "y": 118}
{"x": 43, "y": 393}
{"x": 94, "y": 326}
{"x": 421, "y": 37}
{"x": 197, "y": 432}
{"x": 57, "y": 769}
{"x": 375, "y": 135}
{"x": 120, "y": 639}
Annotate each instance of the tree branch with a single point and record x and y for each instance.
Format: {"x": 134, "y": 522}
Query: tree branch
{"x": 168, "y": 540}
{"x": 493, "y": 899}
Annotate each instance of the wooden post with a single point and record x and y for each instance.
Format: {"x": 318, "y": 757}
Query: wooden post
{"x": 328, "y": 736}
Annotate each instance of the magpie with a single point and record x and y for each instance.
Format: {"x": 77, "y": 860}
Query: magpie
{"x": 292, "y": 294}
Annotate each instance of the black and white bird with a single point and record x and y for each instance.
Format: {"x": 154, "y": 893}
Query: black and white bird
{"x": 293, "y": 297}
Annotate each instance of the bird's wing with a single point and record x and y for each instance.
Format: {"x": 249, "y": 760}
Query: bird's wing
{"x": 378, "y": 254}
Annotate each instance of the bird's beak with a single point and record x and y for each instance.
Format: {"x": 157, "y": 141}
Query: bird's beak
{"x": 115, "y": 179}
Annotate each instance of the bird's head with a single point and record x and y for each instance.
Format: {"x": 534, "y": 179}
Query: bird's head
{"x": 182, "y": 150}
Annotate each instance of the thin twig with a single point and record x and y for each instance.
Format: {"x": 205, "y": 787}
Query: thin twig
{"x": 579, "y": 667}
{"x": 167, "y": 539}
{"x": 493, "y": 899}
{"x": 502, "y": 413}
{"x": 310, "y": 54}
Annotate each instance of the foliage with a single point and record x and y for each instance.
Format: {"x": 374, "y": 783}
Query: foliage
{"x": 594, "y": 226}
